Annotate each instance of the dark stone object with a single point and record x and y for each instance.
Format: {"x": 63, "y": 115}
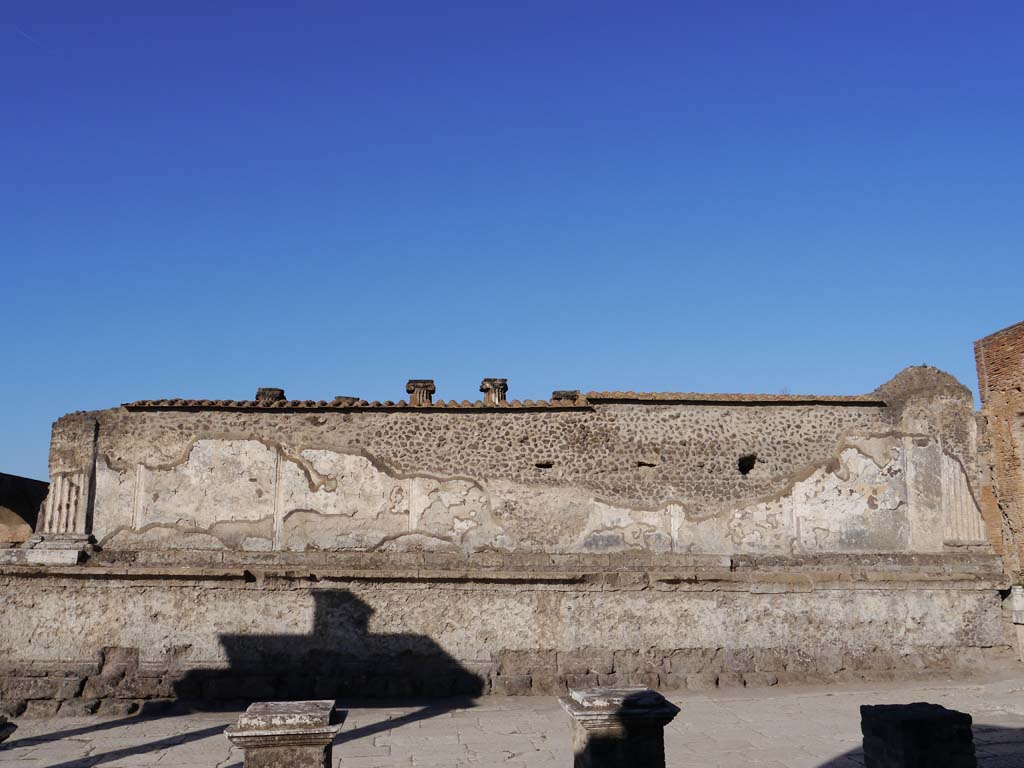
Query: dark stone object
{"x": 6, "y": 728}
{"x": 565, "y": 395}
{"x": 269, "y": 395}
{"x": 915, "y": 736}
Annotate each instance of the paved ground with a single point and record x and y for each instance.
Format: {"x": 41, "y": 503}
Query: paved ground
{"x": 772, "y": 727}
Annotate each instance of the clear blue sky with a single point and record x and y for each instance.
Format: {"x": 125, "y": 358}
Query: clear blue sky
{"x": 200, "y": 198}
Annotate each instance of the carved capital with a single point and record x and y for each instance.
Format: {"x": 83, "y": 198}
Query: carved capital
{"x": 495, "y": 391}
{"x": 421, "y": 391}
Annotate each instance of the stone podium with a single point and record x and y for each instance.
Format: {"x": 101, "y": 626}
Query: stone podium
{"x": 619, "y": 727}
{"x": 286, "y": 734}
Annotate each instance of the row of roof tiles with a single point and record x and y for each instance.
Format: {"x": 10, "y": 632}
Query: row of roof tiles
{"x": 347, "y": 403}
{"x": 727, "y": 397}
{"x": 561, "y": 399}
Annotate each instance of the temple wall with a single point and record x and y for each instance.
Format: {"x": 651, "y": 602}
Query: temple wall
{"x": 872, "y": 475}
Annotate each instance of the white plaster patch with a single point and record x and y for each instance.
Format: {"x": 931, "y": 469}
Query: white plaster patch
{"x": 115, "y": 499}
{"x": 856, "y": 506}
{"x": 221, "y": 480}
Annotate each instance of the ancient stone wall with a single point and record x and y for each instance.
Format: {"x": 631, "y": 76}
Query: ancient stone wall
{"x": 424, "y": 625}
{"x": 895, "y": 471}
{"x": 1000, "y": 361}
{"x": 280, "y": 549}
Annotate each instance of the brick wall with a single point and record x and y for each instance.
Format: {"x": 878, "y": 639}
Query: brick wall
{"x": 995, "y": 529}
{"x": 1000, "y": 361}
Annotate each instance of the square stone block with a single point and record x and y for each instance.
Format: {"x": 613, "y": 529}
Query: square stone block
{"x": 622, "y": 727}
{"x": 916, "y": 735}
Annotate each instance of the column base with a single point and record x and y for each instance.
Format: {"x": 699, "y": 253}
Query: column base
{"x": 57, "y": 548}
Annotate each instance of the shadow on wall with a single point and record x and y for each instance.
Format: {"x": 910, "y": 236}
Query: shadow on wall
{"x": 339, "y": 659}
{"x": 20, "y": 499}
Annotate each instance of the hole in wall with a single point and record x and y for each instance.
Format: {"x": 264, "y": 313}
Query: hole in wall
{"x": 746, "y": 463}
{"x": 646, "y": 464}
{"x": 544, "y": 464}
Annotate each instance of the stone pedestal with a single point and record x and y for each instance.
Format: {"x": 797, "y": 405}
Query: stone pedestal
{"x": 916, "y": 735}
{"x": 619, "y": 727}
{"x": 285, "y": 734}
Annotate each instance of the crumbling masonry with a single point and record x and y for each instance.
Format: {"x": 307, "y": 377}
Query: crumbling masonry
{"x": 276, "y": 549}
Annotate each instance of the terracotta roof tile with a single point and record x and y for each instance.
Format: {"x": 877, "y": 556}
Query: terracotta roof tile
{"x": 584, "y": 401}
{"x": 714, "y": 397}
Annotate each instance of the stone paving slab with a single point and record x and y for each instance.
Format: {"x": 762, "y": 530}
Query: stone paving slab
{"x": 793, "y": 727}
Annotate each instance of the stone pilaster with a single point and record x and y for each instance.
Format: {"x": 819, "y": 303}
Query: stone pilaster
{"x": 65, "y": 506}
{"x": 63, "y": 531}
{"x": 62, "y": 534}
{"x": 619, "y": 727}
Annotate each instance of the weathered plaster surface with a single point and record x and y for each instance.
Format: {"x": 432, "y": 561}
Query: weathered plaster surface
{"x": 469, "y": 622}
{"x": 255, "y": 495}
{"x": 539, "y": 636}
{"x": 895, "y": 474}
